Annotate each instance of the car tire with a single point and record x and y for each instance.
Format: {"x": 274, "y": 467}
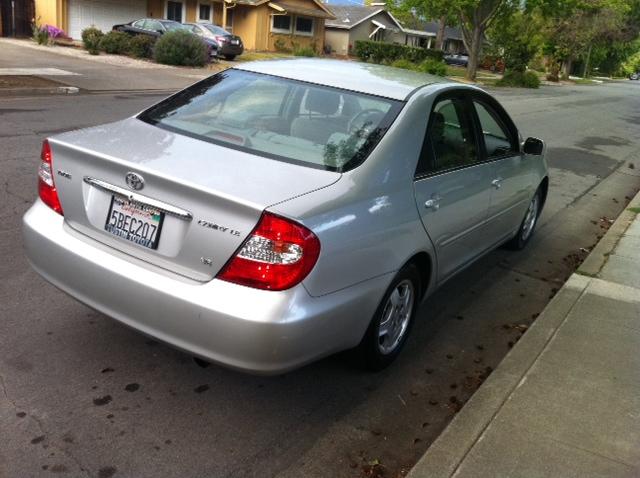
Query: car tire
{"x": 528, "y": 224}
{"x": 229, "y": 57}
{"x": 382, "y": 343}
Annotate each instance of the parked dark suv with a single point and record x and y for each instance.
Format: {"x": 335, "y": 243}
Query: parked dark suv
{"x": 230, "y": 45}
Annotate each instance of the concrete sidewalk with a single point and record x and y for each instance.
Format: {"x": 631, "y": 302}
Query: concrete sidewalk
{"x": 565, "y": 402}
{"x": 97, "y": 74}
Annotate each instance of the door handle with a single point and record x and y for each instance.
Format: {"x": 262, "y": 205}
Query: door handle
{"x": 433, "y": 203}
{"x": 497, "y": 183}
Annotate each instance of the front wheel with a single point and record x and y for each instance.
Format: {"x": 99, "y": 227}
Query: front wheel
{"x": 528, "y": 223}
{"x": 392, "y": 321}
{"x": 229, "y": 57}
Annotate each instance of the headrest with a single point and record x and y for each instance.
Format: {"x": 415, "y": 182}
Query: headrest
{"x": 322, "y": 101}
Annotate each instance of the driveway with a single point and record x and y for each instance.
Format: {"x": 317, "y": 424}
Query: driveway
{"x": 83, "y": 395}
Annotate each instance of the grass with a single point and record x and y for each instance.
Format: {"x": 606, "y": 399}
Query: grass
{"x": 455, "y": 71}
{"x": 262, "y": 55}
{"x": 635, "y": 210}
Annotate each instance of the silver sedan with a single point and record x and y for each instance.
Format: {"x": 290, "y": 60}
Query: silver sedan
{"x": 282, "y": 211}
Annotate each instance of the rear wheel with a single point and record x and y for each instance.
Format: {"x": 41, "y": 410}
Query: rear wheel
{"x": 229, "y": 57}
{"x": 528, "y": 223}
{"x": 392, "y": 321}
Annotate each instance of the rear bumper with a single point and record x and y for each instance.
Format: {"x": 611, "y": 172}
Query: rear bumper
{"x": 227, "y": 49}
{"x": 243, "y": 328}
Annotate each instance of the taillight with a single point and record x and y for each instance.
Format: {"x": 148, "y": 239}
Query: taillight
{"x": 278, "y": 254}
{"x": 46, "y": 186}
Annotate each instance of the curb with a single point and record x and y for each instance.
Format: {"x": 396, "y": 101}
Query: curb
{"x": 599, "y": 256}
{"x": 56, "y": 90}
{"x": 443, "y": 458}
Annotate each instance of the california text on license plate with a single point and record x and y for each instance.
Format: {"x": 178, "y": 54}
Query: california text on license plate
{"x": 135, "y": 222}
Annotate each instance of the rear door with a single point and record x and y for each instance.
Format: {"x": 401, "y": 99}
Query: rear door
{"x": 511, "y": 181}
{"x": 452, "y": 186}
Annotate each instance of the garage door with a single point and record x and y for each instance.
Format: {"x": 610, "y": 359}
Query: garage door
{"x": 103, "y": 14}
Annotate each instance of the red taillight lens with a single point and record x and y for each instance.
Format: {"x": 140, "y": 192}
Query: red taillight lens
{"x": 278, "y": 255}
{"x": 46, "y": 186}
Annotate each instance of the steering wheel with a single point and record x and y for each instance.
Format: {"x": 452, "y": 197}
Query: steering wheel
{"x": 365, "y": 122}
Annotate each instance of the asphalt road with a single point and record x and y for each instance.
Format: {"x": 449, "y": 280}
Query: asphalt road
{"x": 84, "y": 396}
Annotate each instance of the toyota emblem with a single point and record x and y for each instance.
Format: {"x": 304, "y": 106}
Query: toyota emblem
{"x": 135, "y": 181}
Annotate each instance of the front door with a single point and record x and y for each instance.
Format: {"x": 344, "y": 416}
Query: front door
{"x": 511, "y": 184}
{"x": 174, "y": 11}
{"x": 452, "y": 187}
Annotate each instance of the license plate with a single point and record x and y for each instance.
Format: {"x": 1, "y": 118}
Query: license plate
{"x": 135, "y": 222}
{"x": 235, "y": 42}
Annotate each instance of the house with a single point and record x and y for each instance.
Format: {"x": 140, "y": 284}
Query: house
{"x": 262, "y": 24}
{"x": 359, "y": 22}
{"x": 423, "y": 34}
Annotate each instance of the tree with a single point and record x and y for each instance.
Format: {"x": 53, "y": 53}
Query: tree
{"x": 473, "y": 16}
{"x": 516, "y": 37}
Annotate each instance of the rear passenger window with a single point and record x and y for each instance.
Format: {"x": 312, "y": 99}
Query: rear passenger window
{"x": 450, "y": 135}
{"x": 497, "y": 139}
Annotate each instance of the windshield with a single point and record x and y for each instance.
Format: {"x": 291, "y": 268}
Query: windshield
{"x": 216, "y": 30}
{"x": 299, "y": 122}
{"x": 171, "y": 26}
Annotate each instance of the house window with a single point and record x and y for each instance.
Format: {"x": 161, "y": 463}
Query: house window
{"x": 229, "y": 25}
{"x": 174, "y": 11}
{"x": 281, "y": 24}
{"x": 304, "y": 26}
{"x": 379, "y": 35}
{"x": 204, "y": 12}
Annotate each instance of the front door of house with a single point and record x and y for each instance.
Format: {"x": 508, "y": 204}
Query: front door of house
{"x": 174, "y": 11}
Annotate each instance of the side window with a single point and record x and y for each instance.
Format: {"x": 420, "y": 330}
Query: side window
{"x": 498, "y": 140}
{"x": 152, "y": 25}
{"x": 450, "y": 135}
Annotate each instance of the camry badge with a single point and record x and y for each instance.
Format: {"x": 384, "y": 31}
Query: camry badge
{"x": 134, "y": 181}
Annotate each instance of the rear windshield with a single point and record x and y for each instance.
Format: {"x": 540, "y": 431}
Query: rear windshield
{"x": 288, "y": 120}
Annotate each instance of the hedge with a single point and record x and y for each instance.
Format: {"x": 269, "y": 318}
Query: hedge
{"x": 115, "y": 43}
{"x": 91, "y": 37}
{"x": 379, "y": 52}
{"x": 528, "y": 79}
{"x": 141, "y": 46}
{"x": 180, "y": 47}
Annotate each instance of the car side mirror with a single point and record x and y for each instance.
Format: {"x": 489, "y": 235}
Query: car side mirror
{"x": 533, "y": 146}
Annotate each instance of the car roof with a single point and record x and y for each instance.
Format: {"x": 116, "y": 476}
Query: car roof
{"x": 368, "y": 78}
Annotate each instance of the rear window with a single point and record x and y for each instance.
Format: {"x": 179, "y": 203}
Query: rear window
{"x": 282, "y": 119}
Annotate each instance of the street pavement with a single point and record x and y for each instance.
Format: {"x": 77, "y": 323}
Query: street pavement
{"x": 565, "y": 401}
{"x": 84, "y": 395}
{"x": 93, "y": 74}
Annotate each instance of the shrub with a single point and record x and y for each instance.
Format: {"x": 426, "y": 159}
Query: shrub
{"x": 141, "y": 46}
{"x": 528, "y": 79}
{"x": 304, "y": 51}
{"x": 280, "y": 45}
{"x": 91, "y": 39}
{"x": 404, "y": 64}
{"x": 379, "y": 52}
{"x": 433, "y": 66}
{"x": 115, "y": 42}
{"x": 40, "y": 35}
{"x": 181, "y": 48}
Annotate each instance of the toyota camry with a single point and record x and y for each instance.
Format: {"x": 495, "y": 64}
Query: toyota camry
{"x": 282, "y": 211}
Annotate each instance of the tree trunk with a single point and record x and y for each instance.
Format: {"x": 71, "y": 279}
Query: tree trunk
{"x": 586, "y": 63}
{"x": 474, "y": 50}
{"x": 566, "y": 67}
{"x": 440, "y": 35}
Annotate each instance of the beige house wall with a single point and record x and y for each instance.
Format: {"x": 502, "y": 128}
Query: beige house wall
{"x": 338, "y": 40}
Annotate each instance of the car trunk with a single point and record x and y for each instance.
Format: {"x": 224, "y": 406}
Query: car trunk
{"x": 203, "y": 199}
